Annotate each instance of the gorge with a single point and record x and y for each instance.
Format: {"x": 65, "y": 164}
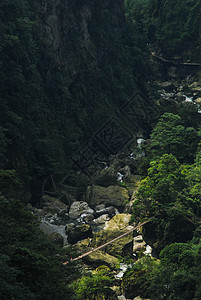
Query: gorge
{"x": 100, "y": 131}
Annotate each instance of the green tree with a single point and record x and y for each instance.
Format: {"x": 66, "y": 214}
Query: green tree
{"x": 170, "y": 136}
{"x": 30, "y": 265}
{"x": 175, "y": 277}
{"x": 164, "y": 182}
{"x": 164, "y": 17}
{"x": 194, "y": 181}
{"x": 10, "y": 287}
{"x": 136, "y": 280}
{"x": 10, "y": 185}
{"x": 96, "y": 286}
{"x": 162, "y": 195}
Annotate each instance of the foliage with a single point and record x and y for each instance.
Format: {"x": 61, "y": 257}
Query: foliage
{"x": 194, "y": 178}
{"x": 170, "y": 194}
{"x": 136, "y": 280}
{"x": 123, "y": 184}
{"x": 170, "y": 191}
{"x": 175, "y": 276}
{"x": 178, "y": 272}
{"x": 29, "y": 267}
{"x": 172, "y": 27}
{"x": 170, "y": 136}
{"x": 52, "y": 101}
{"x": 10, "y": 185}
{"x": 164, "y": 180}
{"x": 161, "y": 188}
{"x": 96, "y": 286}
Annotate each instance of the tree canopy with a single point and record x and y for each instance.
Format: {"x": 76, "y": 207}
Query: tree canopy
{"x": 30, "y": 264}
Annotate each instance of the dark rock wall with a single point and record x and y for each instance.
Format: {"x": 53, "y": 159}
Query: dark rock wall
{"x": 75, "y": 31}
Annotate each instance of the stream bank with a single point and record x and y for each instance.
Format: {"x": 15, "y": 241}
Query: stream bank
{"x": 104, "y": 211}
{"x": 100, "y": 215}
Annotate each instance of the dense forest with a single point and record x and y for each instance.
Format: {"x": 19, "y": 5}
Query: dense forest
{"x": 171, "y": 27}
{"x": 68, "y": 69}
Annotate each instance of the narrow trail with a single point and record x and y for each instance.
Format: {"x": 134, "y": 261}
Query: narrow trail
{"x": 176, "y": 63}
{"x": 104, "y": 245}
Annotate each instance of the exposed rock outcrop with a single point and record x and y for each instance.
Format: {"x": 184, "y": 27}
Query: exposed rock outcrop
{"x": 53, "y": 205}
{"x": 112, "y": 195}
{"x": 66, "y": 27}
{"x": 110, "y": 211}
{"x": 118, "y": 225}
{"x": 101, "y": 220}
{"x": 138, "y": 244}
{"x": 78, "y": 233}
{"x": 78, "y": 208}
{"x": 99, "y": 258}
{"x": 106, "y": 177}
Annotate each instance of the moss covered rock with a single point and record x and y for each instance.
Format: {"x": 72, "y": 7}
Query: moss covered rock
{"x": 139, "y": 244}
{"x": 118, "y": 225}
{"x": 52, "y": 205}
{"x": 112, "y": 195}
{"x": 79, "y": 233}
{"x": 198, "y": 100}
{"x": 98, "y": 258}
{"x": 79, "y": 207}
{"x": 133, "y": 183}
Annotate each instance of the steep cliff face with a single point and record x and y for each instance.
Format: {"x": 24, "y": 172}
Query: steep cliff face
{"x": 77, "y": 31}
{"x": 81, "y": 59}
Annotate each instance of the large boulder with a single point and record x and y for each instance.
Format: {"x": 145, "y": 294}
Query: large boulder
{"x": 139, "y": 245}
{"x": 57, "y": 219}
{"x": 99, "y": 207}
{"x": 50, "y": 229}
{"x": 110, "y": 211}
{"x": 99, "y": 223}
{"x": 133, "y": 182}
{"x": 79, "y": 208}
{"x": 198, "y": 100}
{"x": 78, "y": 233}
{"x": 69, "y": 227}
{"x": 98, "y": 258}
{"x": 86, "y": 218}
{"x": 101, "y": 220}
{"x": 39, "y": 212}
{"x": 54, "y": 211}
{"x": 112, "y": 195}
{"x": 53, "y": 205}
{"x": 195, "y": 86}
{"x": 125, "y": 171}
{"x": 106, "y": 177}
{"x": 62, "y": 217}
{"x": 118, "y": 225}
